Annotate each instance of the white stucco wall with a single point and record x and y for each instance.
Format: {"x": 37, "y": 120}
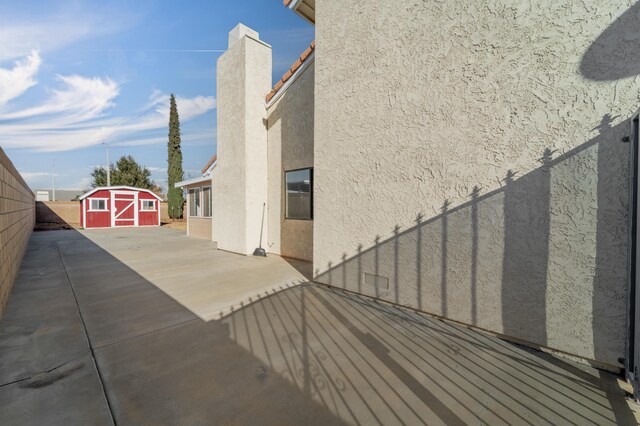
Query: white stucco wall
{"x": 290, "y": 129}
{"x": 240, "y": 179}
{"x": 418, "y": 103}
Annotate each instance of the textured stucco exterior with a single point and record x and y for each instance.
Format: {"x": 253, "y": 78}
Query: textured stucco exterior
{"x": 469, "y": 154}
{"x": 240, "y": 179}
{"x": 17, "y": 218}
{"x": 290, "y": 147}
{"x": 199, "y": 227}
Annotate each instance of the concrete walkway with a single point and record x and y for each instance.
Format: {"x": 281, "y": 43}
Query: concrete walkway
{"x": 129, "y": 327}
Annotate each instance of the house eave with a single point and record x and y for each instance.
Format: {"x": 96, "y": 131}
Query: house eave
{"x": 193, "y": 181}
{"x": 305, "y": 8}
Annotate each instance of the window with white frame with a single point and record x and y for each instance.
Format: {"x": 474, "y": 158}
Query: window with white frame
{"x": 200, "y": 202}
{"x": 148, "y": 205}
{"x": 206, "y": 201}
{"x": 98, "y": 204}
{"x": 195, "y": 209}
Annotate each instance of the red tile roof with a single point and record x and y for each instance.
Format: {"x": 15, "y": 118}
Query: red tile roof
{"x": 287, "y": 3}
{"x": 296, "y": 65}
{"x": 211, "y": 161}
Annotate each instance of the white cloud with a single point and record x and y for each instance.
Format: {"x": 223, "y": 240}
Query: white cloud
{"x": 153, "y": 169}
{"x": 158, "y": 111}
{"x": 144, "y": 141}
{"x": 189, "y": 107}
{"x": 33, "y": 175}
{"x": 205, "y": 136}
{"x": 44, "y": 36}
{"x": 80, "y": 99}
{"x": 37, "y": 179}
{"x": 50, "y": 32}
{"x": 83, "y": 183}
{"x": 17, "y": 80}
{"x": 75, "y": 116}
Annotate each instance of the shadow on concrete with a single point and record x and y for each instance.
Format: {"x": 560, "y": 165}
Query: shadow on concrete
{"x": 305, "y": 268}
{"x": 157, "y": 361}
{"x": 615, "y": 54}
{"x": 48, "y": 220}
{"x": 303, "y": 355}
{"x": 374, "y": 363}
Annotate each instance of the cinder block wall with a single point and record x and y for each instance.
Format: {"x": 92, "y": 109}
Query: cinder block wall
{"x": 58, "y": 212}
{"x": 17, "y": 218}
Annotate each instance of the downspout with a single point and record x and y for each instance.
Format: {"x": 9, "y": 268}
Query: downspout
{"x": 188, "y": 210}
{"x": 269, "y": 242}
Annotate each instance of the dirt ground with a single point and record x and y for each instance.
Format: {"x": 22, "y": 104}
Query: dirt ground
{"x": 49, "y": 226}
{"x": 176, "y": 224}
{"x": 55, "y": 226}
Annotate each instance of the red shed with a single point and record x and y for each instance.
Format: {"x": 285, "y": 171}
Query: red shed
{"x": 116, "y": 206}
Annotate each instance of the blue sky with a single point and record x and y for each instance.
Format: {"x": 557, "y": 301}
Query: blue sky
{"x": 74, "y": 74}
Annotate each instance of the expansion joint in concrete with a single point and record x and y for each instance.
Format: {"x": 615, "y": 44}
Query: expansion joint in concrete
{"x": 148, "y": 332}
{"x": 84, "y": 328}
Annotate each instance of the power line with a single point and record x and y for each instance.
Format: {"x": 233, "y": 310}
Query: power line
{"x": 158, "y": 50}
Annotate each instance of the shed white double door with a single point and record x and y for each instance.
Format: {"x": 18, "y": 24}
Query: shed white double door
{"x": 124, "y": 208}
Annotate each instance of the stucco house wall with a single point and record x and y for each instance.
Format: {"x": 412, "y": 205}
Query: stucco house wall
{"x": 200, "y": 227}
{"x": 240, "y": 179}
{"x": 469, "y": 162}
{"x": 290, "y": 147}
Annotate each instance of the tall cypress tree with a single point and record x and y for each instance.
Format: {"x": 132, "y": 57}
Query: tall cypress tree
{"x": 174, "y": 169}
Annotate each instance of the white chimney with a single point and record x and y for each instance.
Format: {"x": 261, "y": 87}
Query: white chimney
{"x": 240, "y": 185}
{"x": 236, "y": 34}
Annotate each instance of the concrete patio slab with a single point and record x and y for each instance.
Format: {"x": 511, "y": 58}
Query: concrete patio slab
{"x": 303, "y": 354}
{"x": 191, "y": 271}
{"x": 69, "y": 395}
{"x": 47, "y": 373}
{"x": 117, "y": 303}
{"x": 194, "y": 374}
{"x": 36, "y": 322}
{"x": 41, "y": 328}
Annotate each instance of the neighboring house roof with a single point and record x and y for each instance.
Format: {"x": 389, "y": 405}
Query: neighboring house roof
{"x": 193, "y": 181}
{"x": 206, "y": 174}
{"x": 206, "y": 168}
{"x": 109, "y": 188}
{"x": 62, "y": 194}
{"x": 292, "y": 71}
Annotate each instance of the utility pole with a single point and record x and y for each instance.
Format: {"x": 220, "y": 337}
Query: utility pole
{"x": 108, "y": 165}
{"x": 53, "y": 180}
